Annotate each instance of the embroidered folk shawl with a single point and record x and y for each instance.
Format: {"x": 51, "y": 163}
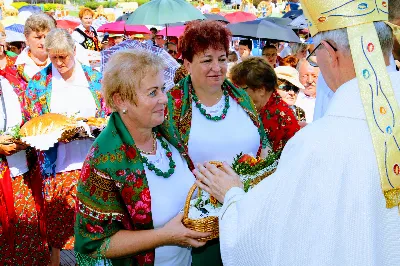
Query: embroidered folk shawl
{"x": 179, "y": 110}
{"x": 38, "y": 99}
{"x": 279, "y": 122}
{"x": 113, "y": 194}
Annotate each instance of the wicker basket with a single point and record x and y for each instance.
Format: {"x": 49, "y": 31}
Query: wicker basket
{"x": 210, "y": 224}
{"x": 207, "y": 224}
{"x": 260, "y": 178}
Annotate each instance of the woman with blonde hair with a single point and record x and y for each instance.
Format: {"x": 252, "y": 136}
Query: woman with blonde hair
{"x": 134, "y": 182}
{"x": 64, "y": 87}
{"x": 34, "y": 57}
{"x": 85, "y": 34}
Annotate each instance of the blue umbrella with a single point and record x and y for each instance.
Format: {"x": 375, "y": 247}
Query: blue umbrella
{"x": 16, "y": 27}
{"x": 29, "y": 8}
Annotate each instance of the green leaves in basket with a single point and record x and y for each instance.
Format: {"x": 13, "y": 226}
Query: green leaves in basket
{"x": 245, "y": 164}
{"x": 13, "y": 132}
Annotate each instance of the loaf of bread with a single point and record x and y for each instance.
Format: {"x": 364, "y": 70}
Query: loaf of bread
{"x": 47, "y": 124}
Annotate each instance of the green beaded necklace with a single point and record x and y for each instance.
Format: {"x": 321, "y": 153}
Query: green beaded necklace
{"x": 203, "y": 111}
{"x": 153, "y": 168}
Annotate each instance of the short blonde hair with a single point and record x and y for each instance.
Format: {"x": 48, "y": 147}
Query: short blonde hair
{"x": 85, "y": 11}
{"x": 59, "y": 40}
{"x": 124, "y": 72}
{"x": 38, "y": 23}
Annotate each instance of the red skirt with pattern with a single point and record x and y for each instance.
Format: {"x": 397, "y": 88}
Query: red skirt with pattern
{"x": 29, "y": 247}
{"x": 60, "y": 195}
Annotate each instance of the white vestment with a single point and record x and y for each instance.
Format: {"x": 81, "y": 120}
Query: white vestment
{"x": 324, "y": 205}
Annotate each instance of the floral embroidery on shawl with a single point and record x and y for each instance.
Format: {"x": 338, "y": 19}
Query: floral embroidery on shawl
{"x": 113, "y": 194}
{"x": 39, "y": 91}
{"x": 279, "y": 122}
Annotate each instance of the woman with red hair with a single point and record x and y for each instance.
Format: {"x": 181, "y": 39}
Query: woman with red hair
{"x": 215, "y": 120}
{"x": 85, "y": 34}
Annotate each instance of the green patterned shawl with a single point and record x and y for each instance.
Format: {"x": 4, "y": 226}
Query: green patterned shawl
{"x": 113, "y": 194}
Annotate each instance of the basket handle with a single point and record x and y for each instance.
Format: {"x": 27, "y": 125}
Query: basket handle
{"x": 188, "y": 199}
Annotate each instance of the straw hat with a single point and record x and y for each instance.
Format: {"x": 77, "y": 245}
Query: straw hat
{"x": 289, "y": 74}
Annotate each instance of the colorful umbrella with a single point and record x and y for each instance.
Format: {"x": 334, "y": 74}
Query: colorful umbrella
{"x": 169, "y": 72}
{"x": 299, "y": 23}
{"x": 124, "y": 17}
{"x": 240, "y": 16}
{"x": 216, "y": 17}
{"x": 176, "y": 31}
{"x": 121, "y": 27}
{"x": 30, "y": 8}
{"x": 262, "y": 29}
{"x": 13, "y": 36}
{"x": 16, "y": 27}
{"x": 278, "y": 21}
{"x": 163, "y": 12}
{"x": 67, "y": 24}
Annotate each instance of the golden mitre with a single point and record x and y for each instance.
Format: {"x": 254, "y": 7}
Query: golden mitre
{"x": 325, "y": 15}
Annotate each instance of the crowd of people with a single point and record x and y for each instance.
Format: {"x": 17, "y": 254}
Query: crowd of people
{"x": 117, "y": 199}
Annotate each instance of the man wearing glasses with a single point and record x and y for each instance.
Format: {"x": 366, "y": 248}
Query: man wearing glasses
{"x": 308, "y": 78}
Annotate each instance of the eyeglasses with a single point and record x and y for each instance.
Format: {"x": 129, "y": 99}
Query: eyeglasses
{"x": 172, "y": 52}
{"x": 312, "y": 59}
{"x": 270, "y": 55}
{"x": 288, "y": 88}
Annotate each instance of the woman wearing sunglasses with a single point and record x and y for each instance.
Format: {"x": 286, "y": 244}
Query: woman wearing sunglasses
{"x": 288, "y": 88}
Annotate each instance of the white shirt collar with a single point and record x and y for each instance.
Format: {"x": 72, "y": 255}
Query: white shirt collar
{"x": 78, "y": 78}
{"x": 24, "y": 58}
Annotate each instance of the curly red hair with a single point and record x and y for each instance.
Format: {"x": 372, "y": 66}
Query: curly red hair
{"x": 202, "y": 35}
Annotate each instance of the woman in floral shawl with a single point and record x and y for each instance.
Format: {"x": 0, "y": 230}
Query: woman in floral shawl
{"x": 64, "y": 87}
{"x": 22, "y": 225}
{"x": 214, "y": 120}
{"x": 134, "y": 183}
{"x": 258, "y": 78}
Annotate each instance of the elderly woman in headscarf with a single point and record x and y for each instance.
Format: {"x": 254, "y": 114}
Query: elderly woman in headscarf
{"x": 134, "y": 182}
{"x": 22, "y": 230}
{"x": 258, "y": 78}
{"x": 34, "y": 57}
{"x": 215, "y": 120}
{"x": 64, "y": 87}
